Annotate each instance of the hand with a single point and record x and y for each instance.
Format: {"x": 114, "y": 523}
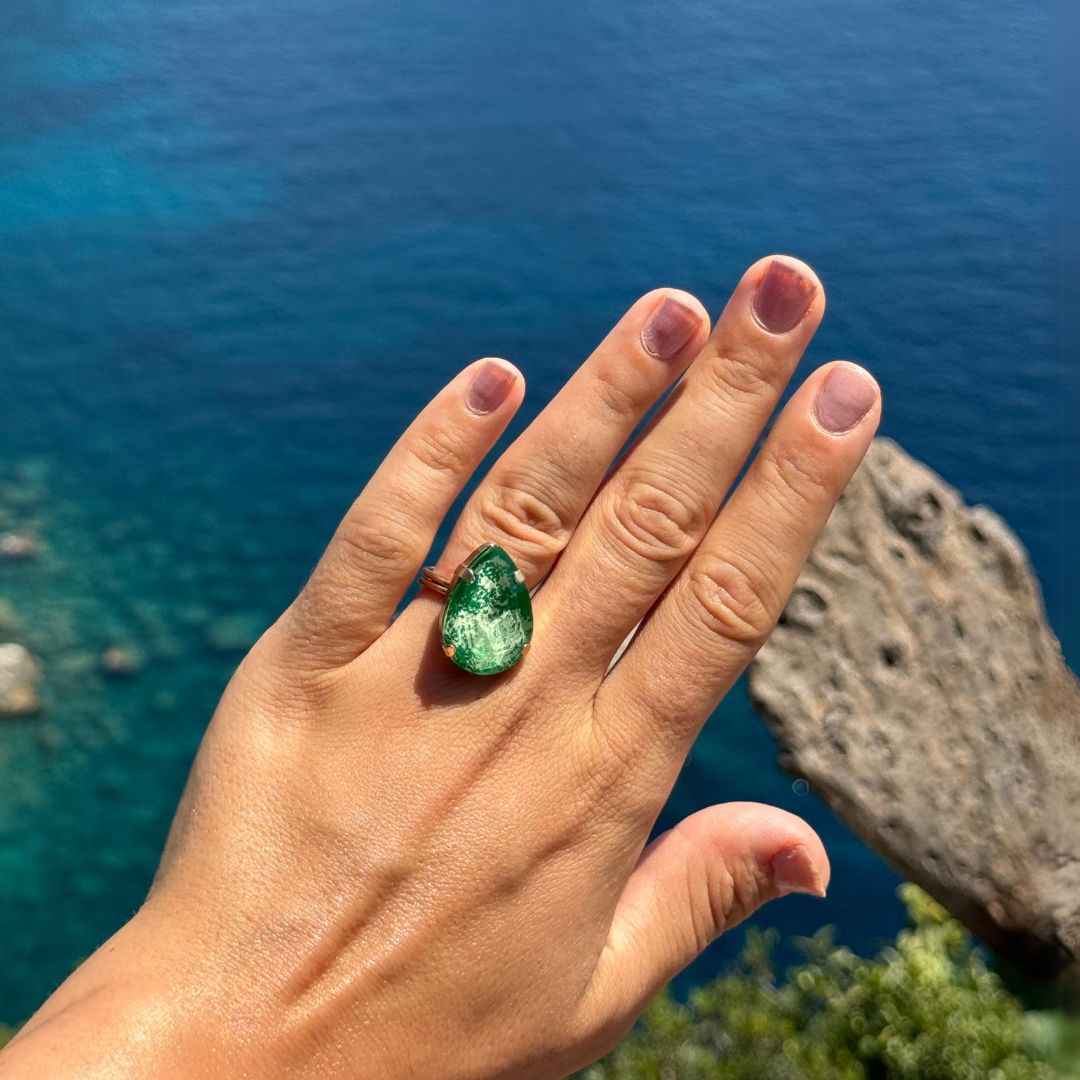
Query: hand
{"x": 383, "y": 866}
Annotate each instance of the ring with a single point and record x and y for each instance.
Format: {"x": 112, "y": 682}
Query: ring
{"x": 487, "y": 621}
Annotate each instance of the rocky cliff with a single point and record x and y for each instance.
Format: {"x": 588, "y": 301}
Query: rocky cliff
{"x": 915, "y": 683}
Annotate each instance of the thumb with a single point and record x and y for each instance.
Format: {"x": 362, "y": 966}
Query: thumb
{"x": 711, "y": 871}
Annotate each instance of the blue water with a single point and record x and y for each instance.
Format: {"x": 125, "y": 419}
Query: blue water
{"x": 241, "y": 241}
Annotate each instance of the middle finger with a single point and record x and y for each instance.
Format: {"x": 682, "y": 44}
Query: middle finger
{"x": 660, "y": 500}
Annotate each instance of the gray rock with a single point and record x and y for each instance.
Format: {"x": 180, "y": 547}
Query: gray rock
{"x": 20, "y": 676}
{"x": 915, "y": 683}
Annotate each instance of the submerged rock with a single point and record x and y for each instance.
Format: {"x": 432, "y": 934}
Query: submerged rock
{"x": 915, "y": 683}
{"x": 20, "y": 676}
{"x": 17, "y": 546}
{"x": 120, "y": 662}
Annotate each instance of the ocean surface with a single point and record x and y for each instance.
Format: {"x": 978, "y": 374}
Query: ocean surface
{"x": 242, "y": 241}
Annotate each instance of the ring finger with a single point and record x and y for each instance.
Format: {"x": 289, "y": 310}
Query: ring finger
{"x": 701, "y": 635}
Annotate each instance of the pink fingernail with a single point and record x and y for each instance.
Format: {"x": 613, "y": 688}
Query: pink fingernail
{"x": 782, "y": 298}
{"x": 490, "y": 387}
{"x": 672, "y": 325}
{"x": 793, "y": 871}
{"x": 846, "y": 396}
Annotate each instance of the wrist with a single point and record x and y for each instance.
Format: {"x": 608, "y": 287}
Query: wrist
{"x": 126, "y": 1012}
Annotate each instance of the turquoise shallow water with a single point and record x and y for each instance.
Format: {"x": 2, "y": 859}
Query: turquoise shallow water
{"x": 241, "y": 243}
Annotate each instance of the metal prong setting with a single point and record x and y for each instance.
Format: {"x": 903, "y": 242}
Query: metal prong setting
{"x": 464, "y": 572}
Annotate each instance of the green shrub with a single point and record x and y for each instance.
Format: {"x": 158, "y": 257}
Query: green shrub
{"x": 925, "y": 1008}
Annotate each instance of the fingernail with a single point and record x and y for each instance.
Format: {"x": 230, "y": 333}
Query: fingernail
{"x": 847, "y": 395}
{"x": 672, "y": 325}
{"x": 782, "y": 298}
{"x": 793, "y": 871}
{"x": 490, "y": 387}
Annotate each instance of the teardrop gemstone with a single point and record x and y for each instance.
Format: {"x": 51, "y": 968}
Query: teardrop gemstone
{"x": 488, "y": 619}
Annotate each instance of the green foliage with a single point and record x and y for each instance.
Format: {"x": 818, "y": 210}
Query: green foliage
{"x": 925, "y": 1008}
{"x": 5, "y": 1035}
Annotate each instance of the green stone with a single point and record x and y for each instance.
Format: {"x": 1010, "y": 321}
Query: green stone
{"x": 488, "y": 620}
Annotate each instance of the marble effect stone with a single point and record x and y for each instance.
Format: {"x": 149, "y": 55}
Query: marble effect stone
{"x": 488, "y": 620}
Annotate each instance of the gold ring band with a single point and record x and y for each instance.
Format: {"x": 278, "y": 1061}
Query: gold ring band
{"x": 434, "y": 580}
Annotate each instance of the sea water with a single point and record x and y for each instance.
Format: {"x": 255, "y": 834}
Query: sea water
{"x": 243, "y": 241}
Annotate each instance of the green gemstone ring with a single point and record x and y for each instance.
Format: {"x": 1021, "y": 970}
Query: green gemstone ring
{"x": 487, "y": 623}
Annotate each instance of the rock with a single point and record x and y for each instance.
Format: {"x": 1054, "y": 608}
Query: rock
{"x": 20, "y": 675}
{"x": 17, "y": 546}
{"x": 120, "y": 662}
{"x": 915, "y": 683}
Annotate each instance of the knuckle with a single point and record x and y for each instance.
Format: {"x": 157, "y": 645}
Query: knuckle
{"x": 657, "y": 524}
{"x": 732, "y": 895}
{"x": 731, "y": 599}
{"x": 311, "y": 689}
{"x": 750, "y": 888}
{"x": 376, "y": 545}
{"x": 441, "y": 450}
{"x": 538, "y": 530}
{"x": 793, "y": 477}
{"x": 614, "y": 399}
{"x": 743, "y": 374}
{"x": 280, "y": 682}
{"x": 721, "y": 890}
{"x": 721, "y": 899}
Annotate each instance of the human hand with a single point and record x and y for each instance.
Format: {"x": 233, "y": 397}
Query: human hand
{"x": 384, "y": 866}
